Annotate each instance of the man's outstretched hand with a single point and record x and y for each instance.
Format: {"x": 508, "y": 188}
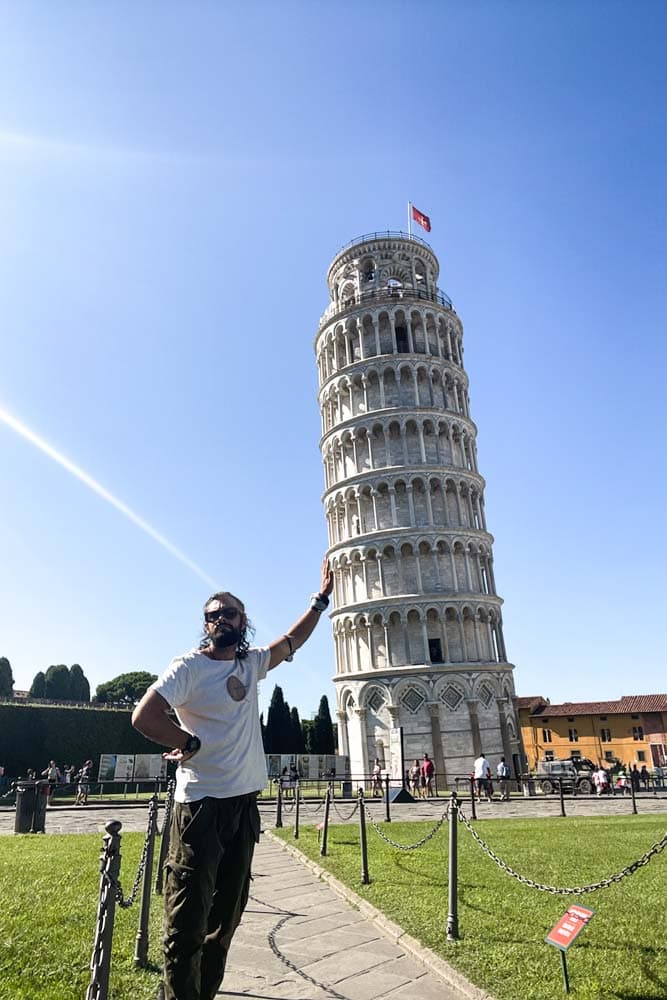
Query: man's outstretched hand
{"x": 327, "y": 583}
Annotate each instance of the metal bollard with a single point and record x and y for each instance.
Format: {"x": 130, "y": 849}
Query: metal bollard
{"x": 141, "y": 941}
{"x": 365, "y": 879}
{"x": 472, "y": 799}
{"x": 452, "y": 914}
{"x": 562, "y": 800}
{"x": 386, "y": 799}
{"x": 100, "y": 962}
{"x": 325, "y": 827}
{"x": 297, "y": 800}
{"x": 279, "y": 806}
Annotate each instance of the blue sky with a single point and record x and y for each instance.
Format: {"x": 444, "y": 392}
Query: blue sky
{"x": 176, "y": 178}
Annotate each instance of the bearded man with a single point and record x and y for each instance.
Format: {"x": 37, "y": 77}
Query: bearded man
{"x": 218, "y": 746}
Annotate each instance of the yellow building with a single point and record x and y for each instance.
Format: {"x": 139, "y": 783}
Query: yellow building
{"x": 632, "y": 730}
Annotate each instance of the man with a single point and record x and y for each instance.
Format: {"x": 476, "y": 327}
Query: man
{"x": 83, "y": 784}
{"x": 428, "y": 770}
{"x": 503, "y": 775}
{"x": 482, "y": 775}
{"x": 218, "y": 745}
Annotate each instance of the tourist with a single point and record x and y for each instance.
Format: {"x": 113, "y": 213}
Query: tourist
{"x": 644, "y": 777}
{"x": 413, "y": 777}
{"x": 600, "y": 780}
{"x": 377, "y": 778}
{"x": 428, "y": 771}
{"x": 83, "y": 784}
{"x": 217, "y": 744}
{"x": 503, "y": 775}
{"x": 481, "y": 774}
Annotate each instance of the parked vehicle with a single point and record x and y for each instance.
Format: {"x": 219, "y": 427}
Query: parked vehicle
{"x": 574, "y": 774}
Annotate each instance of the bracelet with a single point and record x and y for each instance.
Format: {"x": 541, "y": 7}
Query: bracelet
{"x": 288, "y": 640}
{"x": 320, "y": 602}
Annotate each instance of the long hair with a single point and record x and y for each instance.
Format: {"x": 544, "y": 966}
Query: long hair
{"x": 247, "y": 629}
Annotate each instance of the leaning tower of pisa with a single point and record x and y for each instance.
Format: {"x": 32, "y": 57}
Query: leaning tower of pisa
{"x": 416, "y": 618}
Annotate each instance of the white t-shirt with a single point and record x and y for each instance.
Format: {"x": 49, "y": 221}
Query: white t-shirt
{"x": 481, "y": 767}
{"x": 224, "y": 717}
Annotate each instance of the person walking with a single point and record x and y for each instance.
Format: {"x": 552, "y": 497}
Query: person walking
{"x": 83, "y": 784}
{"x": 481, "y": 773}
{"x": 377, "y": 778}
{"x": 428, "y": 770}
{"x": 503, "y": 775}
{"x": 413, "y": 777}
{"x": 217, "y": 744}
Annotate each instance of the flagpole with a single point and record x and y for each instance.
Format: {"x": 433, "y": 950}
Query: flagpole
{"x": 409, "y": 219}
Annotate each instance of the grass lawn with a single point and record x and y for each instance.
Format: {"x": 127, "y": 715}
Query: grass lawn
{"x": 48, "y": 915}
{"x": 621, "y": 955}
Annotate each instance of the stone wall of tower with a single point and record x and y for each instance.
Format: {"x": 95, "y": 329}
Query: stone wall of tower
{"x": 416, "y": 618}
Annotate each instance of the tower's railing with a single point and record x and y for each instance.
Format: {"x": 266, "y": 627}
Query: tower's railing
{"x": 389, "y": 293}
{"x": 395, "y": 234}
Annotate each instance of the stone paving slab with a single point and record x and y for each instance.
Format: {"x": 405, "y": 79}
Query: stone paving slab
{"x": 299, "y": 940}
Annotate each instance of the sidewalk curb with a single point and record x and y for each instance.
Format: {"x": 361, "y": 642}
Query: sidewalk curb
{"x": 391, "y": 930}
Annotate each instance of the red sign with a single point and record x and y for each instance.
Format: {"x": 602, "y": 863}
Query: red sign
{"x": 570, "y": 925}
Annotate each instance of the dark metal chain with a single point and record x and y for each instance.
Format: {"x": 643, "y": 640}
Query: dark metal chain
{"x": 578, "y": 890}
{"x": 407, "y": 847}
{"x": 168, "y": 805}
{"x": 340, "y": 815}
{"x": 308, "y": 805}
{"x": 125, "y": 902}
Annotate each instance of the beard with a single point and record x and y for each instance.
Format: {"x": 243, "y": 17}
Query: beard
{"x": 225, "y": 637}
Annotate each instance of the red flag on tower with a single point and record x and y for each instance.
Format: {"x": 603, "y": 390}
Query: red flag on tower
{"x": 422, "y": 219}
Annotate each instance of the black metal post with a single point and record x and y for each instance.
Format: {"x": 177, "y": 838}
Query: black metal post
{"x": 362, "y": 839}
{"x": 566, "y": 981}
{"x": 634, "y": 800}
{"x": 100, "y": 963}
{"x": 386, "y": 799}
{"x": 141, "y": 942}
{"x": 472, "y": 798}
{"x": 325, "y": 827}
{"x": 452, "y": 914}
{"x": 297, "y": 801}
{"x": 562, "y": 800}
{"x": 279, "y": 806}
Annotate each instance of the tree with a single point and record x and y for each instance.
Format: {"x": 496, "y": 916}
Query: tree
{"x": 323, "y": 734}
{"x": 6, "y": 678}
{"x": 278, "y": 724}
{"x": 126, "y": 689}
{"x": 298, "y": 741}
{"x": 57, "y": 682}
{"x": 38, "y": 686}
{"x": 79, "y": 686}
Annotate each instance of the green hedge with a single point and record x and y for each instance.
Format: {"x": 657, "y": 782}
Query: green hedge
{"x": 32, "y": 735}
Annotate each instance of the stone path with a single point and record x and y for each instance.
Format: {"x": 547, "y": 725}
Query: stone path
{"x": 300, "y": 940}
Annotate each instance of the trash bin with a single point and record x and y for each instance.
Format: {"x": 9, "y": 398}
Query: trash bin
{"x": 42, "y": 791}
{"x": 347, "y": 789}
{"x": 25, "y": 807}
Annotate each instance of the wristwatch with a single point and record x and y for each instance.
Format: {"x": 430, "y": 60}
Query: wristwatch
{"x": 319, "y": 602}
{"x": 192, "y": 745}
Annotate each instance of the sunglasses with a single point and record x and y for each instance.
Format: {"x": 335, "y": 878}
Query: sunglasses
{"x": 229, "y": 614}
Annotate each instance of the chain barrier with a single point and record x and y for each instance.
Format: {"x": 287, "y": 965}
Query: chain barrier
{"x": 308, "y": 805}
{"x": 407, "y": 847}
{"x": 168, "y": 806}
{"x": 288, "y": 804}
{"x": 125, "y": 902}
{"x": 578, "y": 890}
{"x": 344, "y": 819}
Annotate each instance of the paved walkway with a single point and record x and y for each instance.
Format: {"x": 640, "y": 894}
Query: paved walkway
{"x": 300, "y": 940}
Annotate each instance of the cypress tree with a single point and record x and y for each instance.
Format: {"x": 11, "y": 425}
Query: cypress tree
{"x": 6, "y": 678}
{"x": 323, "y": 734}
{"x": 58, "y": 683}
{"x": 38, "y": 686}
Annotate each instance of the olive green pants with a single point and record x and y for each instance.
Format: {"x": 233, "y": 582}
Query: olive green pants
{"x": 206, "y": 889}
